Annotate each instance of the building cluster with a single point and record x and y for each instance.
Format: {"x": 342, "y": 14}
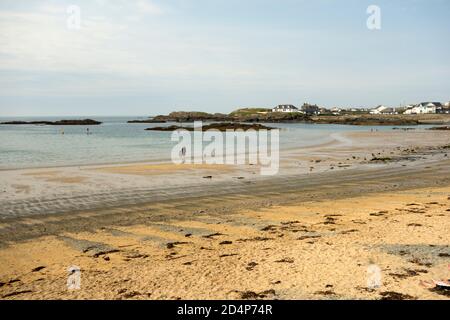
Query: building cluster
{"x": 421, "y": 108}
{"x": 306, "y": 108}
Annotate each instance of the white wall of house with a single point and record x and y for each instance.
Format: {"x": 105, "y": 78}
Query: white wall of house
{"x": 378, "y": 110}
{"x": 408, "y": 111}
{"x": 424, "y": 109}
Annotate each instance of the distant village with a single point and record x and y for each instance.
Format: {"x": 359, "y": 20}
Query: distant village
{"x": 421, "y": 108}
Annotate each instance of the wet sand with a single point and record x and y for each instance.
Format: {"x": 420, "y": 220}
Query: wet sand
{"x": 309, "y": 233}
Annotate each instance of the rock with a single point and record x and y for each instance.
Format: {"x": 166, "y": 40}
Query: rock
{"x": 131, "y": 294}
{"x": 38, "y": 269}
{"x": 367, "y": 120}
{"x": 147, "y": 121}
{"x": 136, "y": 255}
{"x": 253, "y": 295}
{"x": 84, "y": 122}
{"x": 236, "y": 116}
{"x": 285, "y": 260}
{"x": 382, "y": 159}
{"x": 390, "y": 295}
{"x": 172, "y": 245}
{"x": 325, "y": 292}
{"x": 15, "y": 293}
{"x": 215, "y": 126}
{"x": 210, "y": 236}
{"x": 228, "y": 255}
{"x": 440, "y": 128}
{"x": 251, "y": 266}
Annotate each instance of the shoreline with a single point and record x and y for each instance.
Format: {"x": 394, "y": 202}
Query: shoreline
{"x": 153, "y": 161}
{"x": 161, "y": 158}
{"x": 26, "y": 190}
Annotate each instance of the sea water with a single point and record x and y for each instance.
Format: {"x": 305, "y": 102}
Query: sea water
{"x": 116, "y": 141}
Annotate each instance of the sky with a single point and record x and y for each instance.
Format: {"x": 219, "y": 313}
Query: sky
{"x": 148, "y": 57}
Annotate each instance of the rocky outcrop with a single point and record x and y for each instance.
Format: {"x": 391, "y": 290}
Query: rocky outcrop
{"x": 446, "y": 128}
{"x": 272, "y": 117}
{"x": 83, "y": 122}
{"x": 183, "y": 116}
{"x": 147, "y": 121}
{"x": 216, "y": 126}
{"x": 366, "y": 120}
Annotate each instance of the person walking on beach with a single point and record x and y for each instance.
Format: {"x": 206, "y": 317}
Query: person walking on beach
{"x": 87, "y": 131}
{"x": 183, "y": 154}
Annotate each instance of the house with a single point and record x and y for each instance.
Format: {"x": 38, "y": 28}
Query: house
{"x": 383, "y": 110}
{"x": 336, "y": 111}
{"x": 357, "y": 110}
{"x": 425, "y": 107}
{"x": 310, "y": 109}
{"x": 285, "y": 108}
{"x": 390, "y": 111}
{"x": 408, "y": 109}
{"x": 444, "y": 110}
{"x": 378, "y": 110}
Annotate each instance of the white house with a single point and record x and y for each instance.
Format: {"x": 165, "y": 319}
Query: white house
{"x": 336, "y": 110}
{"x": 424, "y": 107}
{"x": 285, "y": 108}
{"x": 408, "y": 109}
{"x": 378, "y": 110}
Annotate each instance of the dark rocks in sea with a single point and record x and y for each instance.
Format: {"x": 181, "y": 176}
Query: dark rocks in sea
{"x": 83, "y": 122}
{"x": 184, "y": 116}
{"x": 268, "y": 117}
{"x": 440, "y": 128}
{"x": 147, "y": 121}
{"x": 366, "y": 120}
{"x": 216, "y": 126}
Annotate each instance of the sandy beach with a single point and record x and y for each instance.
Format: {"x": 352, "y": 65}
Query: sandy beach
{"x": 161, "y": 231}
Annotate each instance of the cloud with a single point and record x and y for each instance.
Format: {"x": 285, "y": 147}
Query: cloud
{"x": 149, "y": 7}
{"x": 109, "y": 52}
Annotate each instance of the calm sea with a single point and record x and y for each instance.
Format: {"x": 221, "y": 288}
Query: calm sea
{"x": 116, "y": 141}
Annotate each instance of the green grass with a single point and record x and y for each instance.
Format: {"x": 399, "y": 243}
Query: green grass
{"x": 249, "y": 111}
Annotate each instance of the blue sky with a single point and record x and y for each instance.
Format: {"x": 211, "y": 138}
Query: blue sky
{"x": 146, "y": 57}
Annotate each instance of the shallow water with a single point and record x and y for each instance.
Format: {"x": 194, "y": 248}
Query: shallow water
{"x": 115, "y": 141}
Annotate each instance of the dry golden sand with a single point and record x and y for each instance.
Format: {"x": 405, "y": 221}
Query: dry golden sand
{"x": 312, "y": 250}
